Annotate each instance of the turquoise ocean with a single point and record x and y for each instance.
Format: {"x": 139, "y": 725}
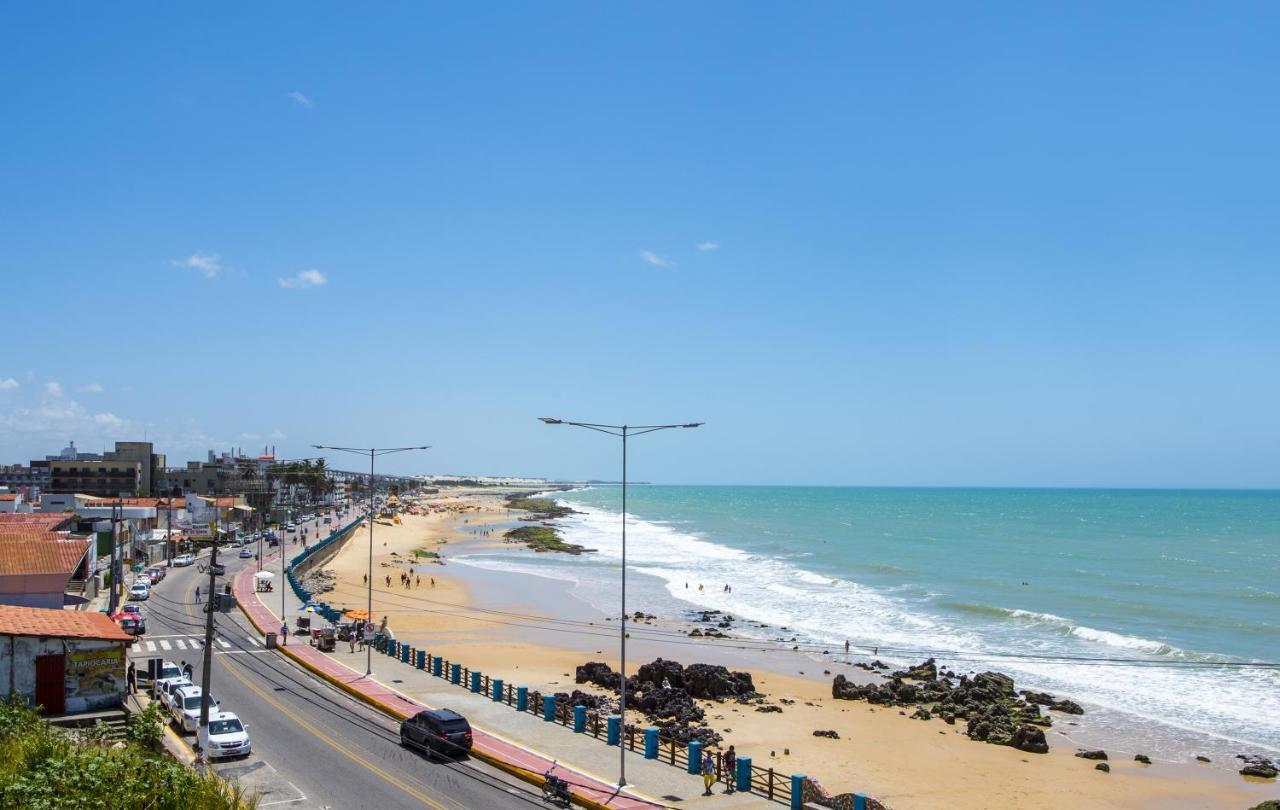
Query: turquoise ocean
{"x": 1127, "y": 601}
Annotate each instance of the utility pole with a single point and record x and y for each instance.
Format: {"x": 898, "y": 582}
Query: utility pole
{"x": 116, "y": 567}
{"x": 208, "y": 623}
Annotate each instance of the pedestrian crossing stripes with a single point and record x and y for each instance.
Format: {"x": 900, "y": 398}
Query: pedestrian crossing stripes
{"x": 182, "y": 644}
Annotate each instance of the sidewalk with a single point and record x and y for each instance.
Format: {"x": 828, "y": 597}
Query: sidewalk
{"x": 502, "y": 735}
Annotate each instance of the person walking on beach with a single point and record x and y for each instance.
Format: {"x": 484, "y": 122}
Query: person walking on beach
{"x": 417, "y": 582}
{"x": 708, "y": 773}
{"x": 846, "y": 646}
{"x": 366, "y": 579}
{"x": 433, "y": 582}
{"x": 730, "y": 768}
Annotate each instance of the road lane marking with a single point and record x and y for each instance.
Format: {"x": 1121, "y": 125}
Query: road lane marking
{"x": 223, "y": 644}
{"x": 320, "y": 735}
{"x": 182, "y": 645}
{"x": 151, "y": 646}
{"x": 164, "y": 645}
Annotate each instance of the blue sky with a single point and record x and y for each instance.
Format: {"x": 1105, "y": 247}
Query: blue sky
{"x": 937, "y": 245}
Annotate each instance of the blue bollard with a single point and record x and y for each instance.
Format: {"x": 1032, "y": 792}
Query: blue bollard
{"x": 859, "y": 801}
{"x": 548, "y": 707}
{"x": 797, "y": 791}
{"x": 455, "y": 673}
{"x": 579, "y": 719}
{"x": 650, "y": 743}
{"x": 615, "y": 729}
{"x": 437, "y": 666}
{"x": 405, "y": 652}
{"x": 695, "y": 756}
{"x": 744, "y": 774}
{"x": 475, "y": 680}
{"x": 422, "y": 659}
{"x": 522, "y": 698}
{"x": 497, "y": 690}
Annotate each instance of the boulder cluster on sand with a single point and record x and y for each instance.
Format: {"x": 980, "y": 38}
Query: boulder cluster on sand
{"x": 664, "y": 692}
{"x": 1258, "y": 766}
{"x": 994, "y": 711}
{"x": 320, "y": 580}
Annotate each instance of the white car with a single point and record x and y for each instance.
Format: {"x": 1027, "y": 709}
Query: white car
{"x": 225, "y": 736}
{"x": 184, "y": 559}
{"x": 246, "y": 553}
{"x": 185, "y": 707}
{"x": 165, "y": 687}
{"x": 140, "y": 590}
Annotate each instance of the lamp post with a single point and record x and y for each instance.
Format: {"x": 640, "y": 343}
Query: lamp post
{"x": 373, "y": 453}
{"x": 624, "y": 432}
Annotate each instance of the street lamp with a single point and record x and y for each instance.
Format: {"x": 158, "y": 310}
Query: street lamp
{"x": 372, "y": 452}
{"x": 624, "y": 432}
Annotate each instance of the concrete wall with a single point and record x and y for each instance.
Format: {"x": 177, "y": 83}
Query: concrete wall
{"x": 18, "y": 671}
{"x": 33, "y": 590}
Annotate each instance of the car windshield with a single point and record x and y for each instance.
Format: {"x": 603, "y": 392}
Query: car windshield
{"x": 193, "y": 702}
{"x": 170, "y": 671}
{"x": 225, "y": 726}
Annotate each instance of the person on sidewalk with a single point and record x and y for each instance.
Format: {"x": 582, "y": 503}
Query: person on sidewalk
{"x": 284, "y": 634}
{"x": 131, "y": 678}
{"x": 730, "y": 769}
{"x": 187, "y": 670}
{"x": 708, "y": 772}
{"x": 197, "y": 594}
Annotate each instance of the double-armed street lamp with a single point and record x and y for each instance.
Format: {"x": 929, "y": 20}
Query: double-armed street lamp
{"x": 372, "y": 453}
{"x": 623, "y": 432}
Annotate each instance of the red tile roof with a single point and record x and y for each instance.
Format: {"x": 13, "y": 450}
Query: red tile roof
{"x": 36, "y": 552}
{"x": 40, "y": 521}
{"x": 27, "y": 621}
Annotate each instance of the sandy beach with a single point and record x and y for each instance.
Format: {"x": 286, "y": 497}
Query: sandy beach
{"x": 532, "y": 631}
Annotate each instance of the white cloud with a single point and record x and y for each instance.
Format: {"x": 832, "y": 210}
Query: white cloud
{"x": 53, "y": 389}
{"x": 307, "y": 278}
{"x": 708, "y": 246}
{"x": 656, "y": 260}
{"x": 8, "y": 384}
{"x": 91, "y": 388}
{"x": 250, "y": 437}
{"x": 278, "y": 434}
{"x": 209, "y": 264}
{"x": 108, "y": 420}
{"x": 300, "y": 99}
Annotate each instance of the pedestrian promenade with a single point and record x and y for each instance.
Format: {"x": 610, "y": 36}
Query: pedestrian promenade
{"x": 510, "y": 739}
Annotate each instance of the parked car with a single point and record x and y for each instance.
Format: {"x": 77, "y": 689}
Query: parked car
{"x": 157, "y": 573}
{"x": 184, "y": 559}
{"x": 168, "y": 669}
{"x": 225, "y": 736}
{"x": 246, "y": 553}
{"x": 139, "y": 590}
{"x": 437, "y": 731}
{"x": 165, "y": 687}
{"x": 185, "y": 707}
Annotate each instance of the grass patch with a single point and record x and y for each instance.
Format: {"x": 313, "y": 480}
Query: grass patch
{"x": 44, "y": 767}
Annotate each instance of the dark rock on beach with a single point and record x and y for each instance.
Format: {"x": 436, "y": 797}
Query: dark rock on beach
{"x": 1263, "y": 771}
{"x": 1102, "y": 766}
{"x": 1030, "y": 739}
{"x": 987, "y": 701}
{"x": 1143, "y": 758}
{"x": 1099, "y": 754}
{"x": 828, "y": 733}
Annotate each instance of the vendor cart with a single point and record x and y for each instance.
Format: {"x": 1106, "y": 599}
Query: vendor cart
{"x": 324, "y": 639}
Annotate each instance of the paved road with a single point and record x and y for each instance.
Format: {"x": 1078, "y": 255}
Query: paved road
{"x": 313, "y": 745}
